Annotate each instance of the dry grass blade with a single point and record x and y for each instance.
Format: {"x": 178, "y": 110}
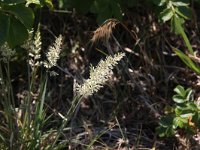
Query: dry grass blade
{"x": 104, "y": 32}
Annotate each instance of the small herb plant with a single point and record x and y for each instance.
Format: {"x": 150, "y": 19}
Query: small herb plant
{"x": 183, "y": 115}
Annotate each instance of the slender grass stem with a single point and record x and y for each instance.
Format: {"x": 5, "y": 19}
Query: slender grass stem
{"x": 75, "y": 103}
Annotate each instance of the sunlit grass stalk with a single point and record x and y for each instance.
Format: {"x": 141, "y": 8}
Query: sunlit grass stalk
{"x": 37, "y": 122}
{"x": 98, "y": 76}
{"x": 33, "y": 46}
{"x": 75, "y": 103}
{"x": 31, "y": 80}
{"x": 32, "y": 121}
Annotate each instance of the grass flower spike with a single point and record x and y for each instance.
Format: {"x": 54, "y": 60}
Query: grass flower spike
{"x": 99, "y": 75}
{"x": 6, "y": 53}
{"x": 53, "y": 54}
{"x": 34, "y": 46}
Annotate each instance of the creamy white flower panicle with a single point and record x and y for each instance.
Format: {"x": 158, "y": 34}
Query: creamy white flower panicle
{"x": 6, "y": 53}
{"x": 37, "y": 45}
{"x": 34, "y": 47}
{"x": 99, "y": 75}
{"x": 54, "y": 53}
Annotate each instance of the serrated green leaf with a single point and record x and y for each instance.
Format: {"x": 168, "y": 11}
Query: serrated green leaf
{"x": 17, "y": 33}
{"x": 187, "y": 60}
{"x": 4, "y": 27}
{"x": 24, "y": 14}
{"x": 166, "y": 15}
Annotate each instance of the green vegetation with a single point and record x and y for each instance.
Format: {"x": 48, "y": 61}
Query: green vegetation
{"x": 52, "y": 96}
{"x": 184, "y": 114}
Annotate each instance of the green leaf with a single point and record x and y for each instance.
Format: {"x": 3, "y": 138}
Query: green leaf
{"x": 176, "y": 24}
{"x": 168, "y": 109}
{"x": 185, "y": 12}
{"x": 162, "y": 131}
{"x": 42, "y": 3}
{"x": 180, "y": 90}
{"x": 189, "y": 94}
{"x": 180, "y": 122}
{"x": 12, "y": 1}
{"x": 24, "y": 14}
{"x": 178, "y": 111}
{"x": 49, "y": 4}
{"x": 180, "y": 3}
{"x": 166, "y": 15}
{"x": 187, "y": 60}
{"x": 196, "y": 119}
{"x": 186, "y": 115}
{"x": 17, "y": 33}
{"x": 178, "y": 99}
{"x": 192, "y": 106}
{"x": 4, "y": 27}
{"x": 166, "y": 121}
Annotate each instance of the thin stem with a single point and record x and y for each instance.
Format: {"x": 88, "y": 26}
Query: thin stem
{"x": 75, "y": 103}
{"x": 187, "y": 42}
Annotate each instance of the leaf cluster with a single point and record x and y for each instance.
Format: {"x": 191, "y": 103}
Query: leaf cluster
{"x": 183, "y": 115}
{"x": 16, "y": 19}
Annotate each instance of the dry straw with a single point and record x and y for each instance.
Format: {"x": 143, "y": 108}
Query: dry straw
{"x": 105, "y": 31}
